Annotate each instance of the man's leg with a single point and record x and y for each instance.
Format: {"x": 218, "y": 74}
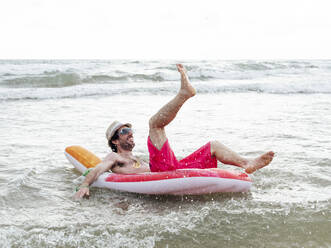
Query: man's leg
{"x": 168, "y": 112}
{"x": 223, "y": 154}
{"x": 227, "y": 156}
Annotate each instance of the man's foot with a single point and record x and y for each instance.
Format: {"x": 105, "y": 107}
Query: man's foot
{"x": 259, "y": 162}
{"x": 186, "y": 89}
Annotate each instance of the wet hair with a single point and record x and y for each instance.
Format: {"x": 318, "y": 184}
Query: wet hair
{"x": 111, "y": 144}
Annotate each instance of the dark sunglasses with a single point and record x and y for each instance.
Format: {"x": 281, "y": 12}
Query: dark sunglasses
{"x": 125, "y": 131}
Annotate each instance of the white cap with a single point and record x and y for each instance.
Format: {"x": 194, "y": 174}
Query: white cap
{"x": 114, "y": 127}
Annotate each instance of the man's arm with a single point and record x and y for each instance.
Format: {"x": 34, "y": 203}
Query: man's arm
{"x": 93, "y": 175}
{"x": 129, "y": 169}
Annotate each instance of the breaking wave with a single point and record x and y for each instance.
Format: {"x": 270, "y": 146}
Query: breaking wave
{"x": 89, "y": 90}
{"x": 20, "y": 79}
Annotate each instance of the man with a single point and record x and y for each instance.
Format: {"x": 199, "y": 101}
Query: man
{"x": 162, "y": 158}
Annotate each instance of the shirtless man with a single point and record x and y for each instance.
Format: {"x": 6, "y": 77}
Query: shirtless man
{"x": 162, "y": 158}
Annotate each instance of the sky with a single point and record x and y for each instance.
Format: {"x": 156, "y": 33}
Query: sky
{"x": 153, "y": 29}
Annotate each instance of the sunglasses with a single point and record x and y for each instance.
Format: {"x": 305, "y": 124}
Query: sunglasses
{"x": 125, "y": 131}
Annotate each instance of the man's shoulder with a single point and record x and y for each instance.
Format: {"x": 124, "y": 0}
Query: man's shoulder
{"x": 112, "y": 156}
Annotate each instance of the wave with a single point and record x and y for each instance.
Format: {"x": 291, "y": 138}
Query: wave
{"x": 57, "y": 74}
{"x": 165, "y": 88}
{"x": 273, "y": 65}
{"x": 65, "y": 79}
{"x": 46, "y": 80}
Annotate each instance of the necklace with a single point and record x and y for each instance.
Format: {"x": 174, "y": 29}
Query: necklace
{"x": 136, "y": 164}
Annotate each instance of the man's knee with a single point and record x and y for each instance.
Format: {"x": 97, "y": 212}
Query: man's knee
{"x": 213, "y": 146}
{"x": 152, "y": 123}
{"x": 213, "y": 143}
{"x": 156, "y": 122}
{"x": 155, "y": 132}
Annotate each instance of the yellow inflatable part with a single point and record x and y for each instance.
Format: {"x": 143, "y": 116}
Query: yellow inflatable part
{"x": 85, "y": 157}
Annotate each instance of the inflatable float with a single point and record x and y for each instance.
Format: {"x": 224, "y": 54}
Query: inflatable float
{"x": 178, "y": 182}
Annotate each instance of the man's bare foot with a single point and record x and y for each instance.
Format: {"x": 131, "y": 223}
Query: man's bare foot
{"x": 186, "y": 89}
{"x": 259, "y": 162}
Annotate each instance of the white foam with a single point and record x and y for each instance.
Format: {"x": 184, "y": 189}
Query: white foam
{"x": 70, "y": 79}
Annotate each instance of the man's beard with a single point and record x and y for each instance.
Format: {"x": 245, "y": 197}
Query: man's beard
{"x": 126, "y": 146}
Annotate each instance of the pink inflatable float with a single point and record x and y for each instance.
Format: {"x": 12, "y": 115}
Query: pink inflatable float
{"x": 178, "y": 182}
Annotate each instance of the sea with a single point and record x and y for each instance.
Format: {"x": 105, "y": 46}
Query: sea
{"x": 251, "y": 106}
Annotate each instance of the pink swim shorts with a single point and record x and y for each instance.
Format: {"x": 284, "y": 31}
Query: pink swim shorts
{"x": 165, "y": 159}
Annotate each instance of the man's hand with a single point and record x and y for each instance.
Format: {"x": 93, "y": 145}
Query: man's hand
{"x": 83, "y": 191}
{"x": 93, "y": 175}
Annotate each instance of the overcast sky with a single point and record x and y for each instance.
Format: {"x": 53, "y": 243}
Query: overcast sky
{"x": 168, "y": 29}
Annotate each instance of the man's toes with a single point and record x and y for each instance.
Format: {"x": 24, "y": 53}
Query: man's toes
{"x": 180, "y": 68}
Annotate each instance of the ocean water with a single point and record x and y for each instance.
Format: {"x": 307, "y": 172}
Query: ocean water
{"x": 250, "y": 106}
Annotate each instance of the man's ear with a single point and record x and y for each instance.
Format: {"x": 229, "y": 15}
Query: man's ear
{"x": 116, "y": 142}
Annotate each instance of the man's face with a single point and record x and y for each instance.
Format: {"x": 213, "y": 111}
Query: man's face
{"x": 126, "y": 141}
